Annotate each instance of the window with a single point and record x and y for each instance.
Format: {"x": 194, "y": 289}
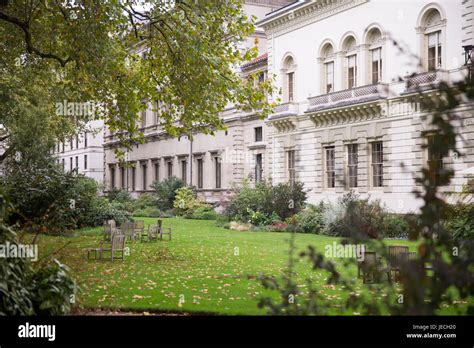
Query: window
{"x": 376, "y": 65}
{"x": 289, "y": 79}
{"x": 291, "y": 166}
{"x": 63, "y": 146}
{"x": 184, "y": 170}
{"x": 133, "y": 178}
{"x": 351, "y": 71}
{"x": 377, "y": 164}
{"x": 85, "y": 139}
{"x": 112, "y": 177}
{"x": 261, "y": 77}
{"x": 258, "y": 167}
{"x": 330, "y": 167}
{"x": 434, "y": 51}
{"x": 327, "y": 68}
{"x": 329, "y": 76}
{"x": 70, "y": 164}
{"x": 352, "y": 163}
{"x": 77, "y": 141}
{"x": 143, "y": 116}
{"x": 290, "y": 86}
{"x": 157, "y": 171}
{"x": 431, "y": 27}
{"x": 64, "y": 164}
{"x": 170, "y": 169}
{"x": 123, "y": 183}
{"x": 85, "y": 161}
{"x": 77, "y": 162}
{"x": 435, "y": 161}
{"x": 218, "y": 173}
{"x": 59, "y": 148}
{"x": 200, "y": 172}
{"x": 144, "y": 176}
{"x": 258, "y": 134}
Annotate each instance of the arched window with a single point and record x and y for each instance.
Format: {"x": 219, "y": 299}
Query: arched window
{"x": 374, "y": 42}
{"x": 349, "y": 47}
{"x": 431, "y": 28}
{"x": 288, "y": 70}
{"x": 327, "y": 68}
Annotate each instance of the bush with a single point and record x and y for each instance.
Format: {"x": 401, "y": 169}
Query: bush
{"x": 24, "y": 291}
{"x": 165, "y": 191}
{"x": 309, "y": 220}
{"x": 145, "y": 200}
{"x": 361, "y": 218}
{"x": 460, "y": 221}
{"x": 101, "y": 209}
{"x": 266, "y": 203}
{"x": 277, "y": 226}
{"x": 185, "y": 202}
{"x": 119, "y": 195}
{"x": 204, "y": 212}
{"x": 46, "y": 198}
{"x": 153, "y": 213}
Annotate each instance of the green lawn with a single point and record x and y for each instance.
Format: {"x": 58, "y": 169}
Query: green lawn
{"x": 213, "y": 269}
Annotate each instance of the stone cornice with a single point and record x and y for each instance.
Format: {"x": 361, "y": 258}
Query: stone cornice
{"x": 307, "y": 14}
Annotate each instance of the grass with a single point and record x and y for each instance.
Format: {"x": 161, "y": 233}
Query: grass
{"x": 204, "y": 269}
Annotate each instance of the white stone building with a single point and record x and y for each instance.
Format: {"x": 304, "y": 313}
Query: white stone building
{"x": 85, "y": 152}
{"x": 344, "y": 123}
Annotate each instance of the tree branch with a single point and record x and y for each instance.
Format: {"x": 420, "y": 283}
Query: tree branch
{"x": 29, "y": 45}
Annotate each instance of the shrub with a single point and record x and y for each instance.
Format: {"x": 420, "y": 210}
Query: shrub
{"x": 46, "y": 198}
{"x": 204, "y": 212}
{"x": 101, "y": 210}
{"x": 119, "y": 195}
{"x": 151, "y": 212}
{"x": 277, "y": 226}
{"x": 309, "y": 220}
{"x": 460, "y": 221}
{"x": 265, "y": 203}
{"x": 361, "y": 218}
{"x": 165, "y": 191}
{"x": 185, "y": 201}
{"x": 24, "y": 291}
{"x": 145, "y": 200}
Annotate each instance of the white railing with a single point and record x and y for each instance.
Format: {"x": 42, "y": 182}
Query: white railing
{"x": 289, "y": 107}
{"x": 431, "y": 78}
{"x": 353, "y": 94}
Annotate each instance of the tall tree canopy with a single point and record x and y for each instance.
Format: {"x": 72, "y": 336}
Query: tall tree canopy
{"x": 184, "y": 54}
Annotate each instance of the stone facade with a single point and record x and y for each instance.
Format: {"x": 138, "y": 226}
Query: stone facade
{"x": 84, "y": 153}
{"x": 334, "y": 110}
{"x": 346, "y": 69}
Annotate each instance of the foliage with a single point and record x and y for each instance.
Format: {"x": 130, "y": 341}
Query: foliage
{"x": 277, "y": 226}
{"x": 119, "y": 195}
{"x": 46, "y": 52}
{"x": 185, "y": 201}
{"x": 309, "y": 220}
{"x": 153, "y": 212}
{"x": 53, "y": 290}
{"x": 204, "y": 212}
{"x": 101, "y": 209}
{"x": 460, "y": 221}
{"x": 165, "y": 191}
{"x": 26, "y": 291}
{"x": 43, "y": 195}
{"x": 144, "y": 201}
{"x": 266, "y": 203}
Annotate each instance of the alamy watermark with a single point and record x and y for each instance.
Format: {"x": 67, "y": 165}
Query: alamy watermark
{"x": 336, "y": 250}
{"x": 13, "y": 250}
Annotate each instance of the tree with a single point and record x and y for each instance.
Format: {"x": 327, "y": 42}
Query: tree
{"x": 117, "y": 54}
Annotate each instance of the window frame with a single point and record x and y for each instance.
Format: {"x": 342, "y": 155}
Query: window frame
{"x": 330, "y": 166}
{"x": 377, "y": 179}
